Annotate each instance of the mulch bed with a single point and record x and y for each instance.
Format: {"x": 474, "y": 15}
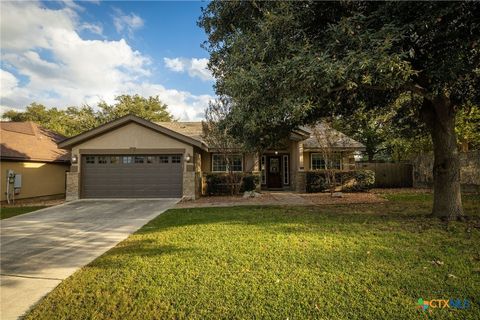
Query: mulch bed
{"x": 347, "y": 198}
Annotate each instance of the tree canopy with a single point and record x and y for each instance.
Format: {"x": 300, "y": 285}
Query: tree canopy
{"x": 74, "y": 120}
{"x": 285, "y": 64}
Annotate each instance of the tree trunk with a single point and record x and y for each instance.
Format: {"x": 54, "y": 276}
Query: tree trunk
{"x": 439, "y": 116}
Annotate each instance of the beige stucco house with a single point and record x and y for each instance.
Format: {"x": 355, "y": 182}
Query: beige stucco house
{"x": 31, "y": 159}
{"x": 133, "y": 157}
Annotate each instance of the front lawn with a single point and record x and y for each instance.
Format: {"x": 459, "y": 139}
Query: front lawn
{"x": 15, "y": 211}
{"x": 333, "y": 262}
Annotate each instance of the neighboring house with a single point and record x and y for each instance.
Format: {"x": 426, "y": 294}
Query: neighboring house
{"x": 31, "y": 152}
{"x": 134, "y": 158}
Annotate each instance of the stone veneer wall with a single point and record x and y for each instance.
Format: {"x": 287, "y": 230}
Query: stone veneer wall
{"x": 300, "y": 181}
{"x": 469, "y": 172}
{"x": 72, "y": 191}
{"x": 189, "y": 185}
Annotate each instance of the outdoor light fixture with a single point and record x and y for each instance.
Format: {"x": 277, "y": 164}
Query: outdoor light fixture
{"x": 276, "y": 152}
{"x": 188, "y": 158}
{"x": 74, "y": 158}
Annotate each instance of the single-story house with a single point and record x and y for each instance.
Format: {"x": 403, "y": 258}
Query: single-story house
{"x": 134, "y": 158}
{"x": 32, "y": 158}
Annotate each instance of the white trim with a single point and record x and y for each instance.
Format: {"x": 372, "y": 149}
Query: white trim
{"x": 340, "y": 159}
{"x": 285, "y": 169}
{"x": 226, "y": 170}
{"x": 263, "y": 169}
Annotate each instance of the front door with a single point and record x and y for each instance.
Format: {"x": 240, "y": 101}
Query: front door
{"x": 274, "y": 175}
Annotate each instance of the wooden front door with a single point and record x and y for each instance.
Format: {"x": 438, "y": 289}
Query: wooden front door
{"x": 274, "y": 172}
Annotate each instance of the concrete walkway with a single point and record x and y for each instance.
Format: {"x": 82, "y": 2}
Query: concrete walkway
{"x": 40, "y": 249}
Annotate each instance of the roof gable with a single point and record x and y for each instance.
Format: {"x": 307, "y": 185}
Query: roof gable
{"x": 322, "y": 135}
{"x": 112, "y": 125}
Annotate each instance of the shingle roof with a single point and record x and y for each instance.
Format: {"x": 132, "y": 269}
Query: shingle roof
{"x": 323, "y": 135}
{"x": 340, "y": 140}
{"x": 190, "y": 129}
{"x": 28, "y": 141}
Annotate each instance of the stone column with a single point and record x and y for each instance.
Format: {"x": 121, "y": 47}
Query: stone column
{"x": 72, "y": 190}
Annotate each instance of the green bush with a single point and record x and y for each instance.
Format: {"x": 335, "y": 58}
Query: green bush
{"x": 350, "y": 181}
{"x": 316, "y": 181}
{"x": 363, "y": 180}
{"x": 249, "y": 182}
{"x": 221, "y": 183}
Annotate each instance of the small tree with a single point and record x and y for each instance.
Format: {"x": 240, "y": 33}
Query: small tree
{"x": 216, "y": 136}
{"x": 329, "y": 141}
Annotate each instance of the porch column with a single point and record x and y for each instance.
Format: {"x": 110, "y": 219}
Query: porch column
{"x": 301, "y": 166}
{"x": 257, "y": 171}
{"x": 256, "y": 162}
{"x": 300, "y": 181}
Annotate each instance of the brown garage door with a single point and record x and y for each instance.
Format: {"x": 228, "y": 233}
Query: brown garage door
{"x": 131, "y": 176}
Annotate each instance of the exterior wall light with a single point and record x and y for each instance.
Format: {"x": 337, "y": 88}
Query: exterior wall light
{"x": 188, "y": 157}
{"x": 74, "y": 158}
{"x": 276, "y": 152}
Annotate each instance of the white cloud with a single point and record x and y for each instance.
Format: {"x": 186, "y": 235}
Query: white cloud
{"x": 62, "y": 69}
{"x": 93, "y": 28}
{"x": 126, "y": 22}
{"x": 8, "y": 83}
{"x": 175, "y": 64}
{"x": 194, "y": 67}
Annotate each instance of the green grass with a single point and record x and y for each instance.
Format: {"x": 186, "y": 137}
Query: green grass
{"x": 333, "y": 262}
{"x": 15, "y": 211}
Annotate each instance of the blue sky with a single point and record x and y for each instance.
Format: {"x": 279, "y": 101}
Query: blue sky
{"x": 71, "y": 53}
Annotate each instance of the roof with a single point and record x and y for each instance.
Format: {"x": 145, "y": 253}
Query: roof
{"x": 192, "y": 132}
{"x": 29, "y": 141}
{"x": 323, "y": 135}
{"x": 112, "y": 125}
{"x": 190, "y": 129}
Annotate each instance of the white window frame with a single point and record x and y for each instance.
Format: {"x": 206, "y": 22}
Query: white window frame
{"x": 226, "y": 165}
{"x": 285, "y": 171}
{"x": 315, "y": 153}
{"x": 263, "y": 167}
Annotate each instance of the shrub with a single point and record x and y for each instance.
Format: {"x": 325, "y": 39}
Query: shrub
{"x": 363, "y": 180}
{"x": 249, "y": 182}
{"x": 350, "y": 181}
{"x": 223, "y": 183}
{"x": 316, "y": 181}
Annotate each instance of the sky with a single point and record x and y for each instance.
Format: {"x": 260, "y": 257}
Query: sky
{"x": 70, "y": 53}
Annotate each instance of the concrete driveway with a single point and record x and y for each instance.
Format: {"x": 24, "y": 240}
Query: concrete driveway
{"x": 40, "y": 249}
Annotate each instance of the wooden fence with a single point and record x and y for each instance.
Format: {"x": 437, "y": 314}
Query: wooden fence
{"x": 390, "y": 175}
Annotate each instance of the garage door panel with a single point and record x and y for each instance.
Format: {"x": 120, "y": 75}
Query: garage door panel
{"x": 109, "y": 178}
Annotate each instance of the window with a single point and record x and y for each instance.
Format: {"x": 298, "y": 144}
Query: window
{"x": 139, "y": 159}
{"x": 150, "y": 159}
{"x": 102, "y": 160}
{"x": 220, "y": 163}
{"x": 163, "y": 159}
{"x": 262, "y": 168}
{"x": 176, "y": 159}
{"x": 90, "y": 159}
{"x": 318, "y": 162}
{"x": 127, "y": 159}
{"x": 114, "y": 160}
{"x": 286, "y": 174}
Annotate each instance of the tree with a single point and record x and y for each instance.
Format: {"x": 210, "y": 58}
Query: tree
{"x": 150, "y": 108}
{"x": 74, "y": 120}
{"x": 467, "y": 128}
{"x": 285, "y": 64}
{"x": 216, "y": 136}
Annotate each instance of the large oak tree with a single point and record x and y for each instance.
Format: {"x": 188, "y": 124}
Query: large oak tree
{"x": 285, "y": 64}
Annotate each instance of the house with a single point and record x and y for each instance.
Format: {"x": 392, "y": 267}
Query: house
{"x": 30, "y": 152}
{"x": 134, "y": 158}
